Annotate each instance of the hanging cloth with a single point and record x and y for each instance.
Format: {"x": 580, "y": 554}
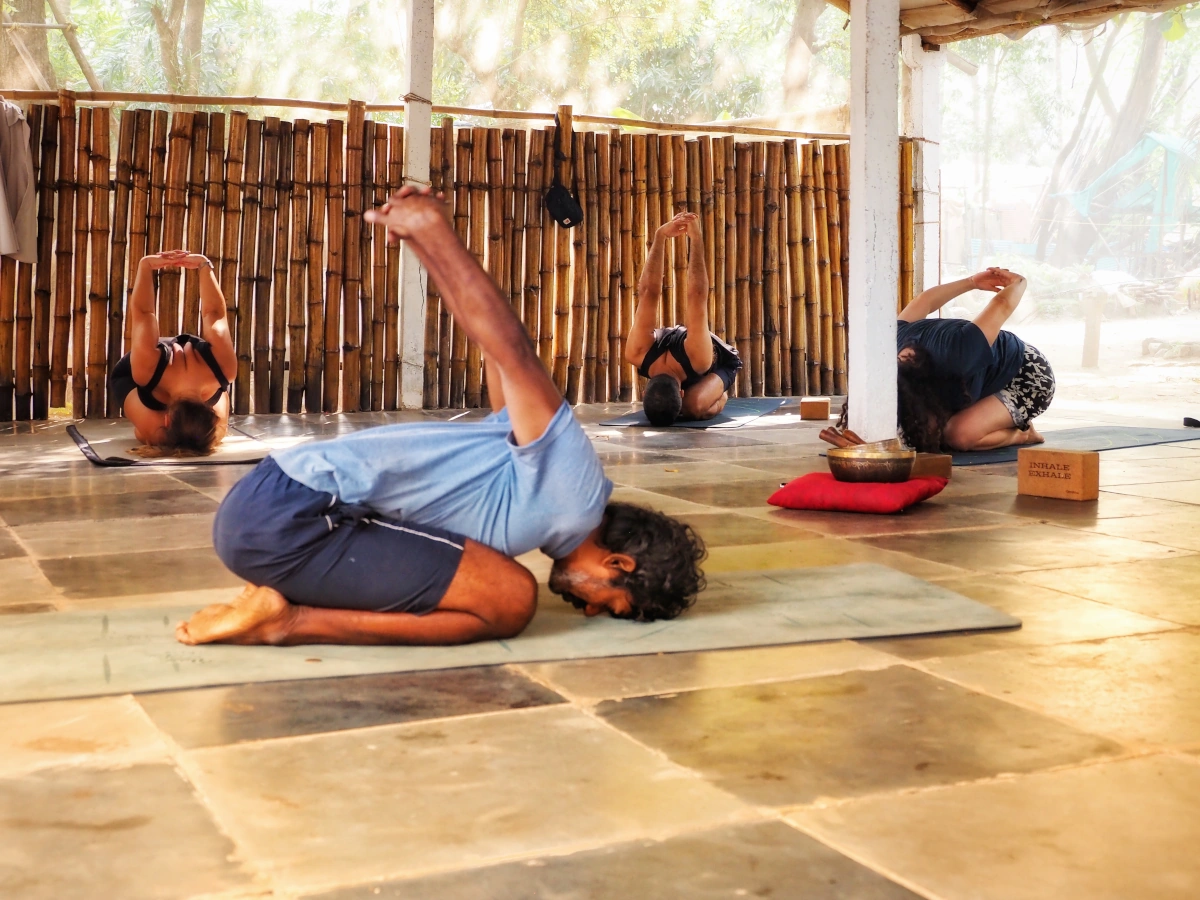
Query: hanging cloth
{"x": 18, "y": 203}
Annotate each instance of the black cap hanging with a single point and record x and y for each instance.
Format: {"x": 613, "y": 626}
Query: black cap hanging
{"x": 560, "y": 202}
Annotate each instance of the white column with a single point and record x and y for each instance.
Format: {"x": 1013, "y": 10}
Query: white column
{"x": 417, "y": 122}
{"x": 874, "y": 215}
{"x": 921, "y": 117}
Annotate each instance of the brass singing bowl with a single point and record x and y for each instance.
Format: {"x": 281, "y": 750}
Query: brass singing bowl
{"x": 865, "y": 463}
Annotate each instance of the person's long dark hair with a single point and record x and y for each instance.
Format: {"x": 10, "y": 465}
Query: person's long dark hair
{"x": 192, "y": 429}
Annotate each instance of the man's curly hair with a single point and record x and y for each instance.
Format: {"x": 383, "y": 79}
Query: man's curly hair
{"x": 668, "y": 553}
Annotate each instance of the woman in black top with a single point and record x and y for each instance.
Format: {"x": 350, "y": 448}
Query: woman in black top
{"x": 967, "y": 385}
{"x": 175, "y": 390}
{"x": 690, "y": 369}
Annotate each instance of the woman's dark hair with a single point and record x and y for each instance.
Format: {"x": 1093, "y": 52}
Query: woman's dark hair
{"x": 920, "y": 406}
{"x": 662, "y": 400}
{"x": 192, "y": 428}
{"x": 668, "y": 553}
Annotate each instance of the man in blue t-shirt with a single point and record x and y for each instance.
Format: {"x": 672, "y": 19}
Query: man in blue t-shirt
{"x": 405, "y": 534}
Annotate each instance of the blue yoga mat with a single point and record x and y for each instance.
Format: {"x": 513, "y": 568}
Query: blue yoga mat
{"x": 1099, "y": 437}
{"x": 737, "y": 413}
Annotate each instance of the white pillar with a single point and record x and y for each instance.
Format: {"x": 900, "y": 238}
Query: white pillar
{"x": 417, "y": 122}
{"x": 921, "y": 117}
{"x": 874, "y": 217}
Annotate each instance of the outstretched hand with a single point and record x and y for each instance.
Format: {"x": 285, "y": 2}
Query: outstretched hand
{"x": 994, "y": 279}
{"x": 684, "y": 223}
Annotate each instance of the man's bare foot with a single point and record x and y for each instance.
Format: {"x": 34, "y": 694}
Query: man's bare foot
{"x": 259, "y": 615}
{"x": 1032, "y": 436}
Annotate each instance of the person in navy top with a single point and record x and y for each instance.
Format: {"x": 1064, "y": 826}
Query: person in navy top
{"x": 966, "y": 384}
{"x": 405, "y": 534}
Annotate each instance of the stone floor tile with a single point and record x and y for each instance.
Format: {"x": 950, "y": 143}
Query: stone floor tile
{"x": 1154, "y": 451}
{"x": 758, "y": 453}
{"x": 86, "y": 538}
{"x": 968, "y": 481}
{"x": 1175, "y": 529}
{"x": 104, "y": 731}
{"x": 405, "y": 799}
{"x": 105, "y": 506}
{"x": 675, "y": 439}
{"x": 122, "y": 574}
{"x": 623, "y": 458}
{"x": 9, "y": 548}
{"x": 749, "y": 492}
{"x": 767, "y": 859}
{"x": 682, "y": 473}
{"x": 1112, "y": 831}
{"x": 1047, "y": 617}
{"x": 1021, "y": 548}
{"x": 727, "y": 529}
{"x": 1179, "y": 491}
{"x": 1164, "y": 588}
{"x": 212, "y": 717}
{"x": 631, "y": 676}
{"x": 787, "y": 469}
{"x": 822, "y": 552}
{"x": 84, "y": 482}
{"x": 662, "y": 502}
{"x": 930, "y": 516}
{"x": 847, "y": 735}
{"x": 211, "y": 476}
{"x": 165, "y": 598}
{"x": 22, "y": 582}
{"x": 1068, "y": 512}
{"x": 133, "y": 833}
{"x": 1144, "y": 688}
{"x": 1122, "y": 472}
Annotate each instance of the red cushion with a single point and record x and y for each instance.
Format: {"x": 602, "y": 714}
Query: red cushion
{"x": 820, "y": 490}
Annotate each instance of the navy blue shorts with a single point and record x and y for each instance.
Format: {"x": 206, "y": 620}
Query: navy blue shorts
{"x": 317, "y": 551}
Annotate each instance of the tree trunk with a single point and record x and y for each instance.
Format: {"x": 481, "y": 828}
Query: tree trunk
{"x": 800, "y": 52}
{"x": 14, "y": 73}
{"x": 192, "y": 44}
{"x": 180, "y": 29}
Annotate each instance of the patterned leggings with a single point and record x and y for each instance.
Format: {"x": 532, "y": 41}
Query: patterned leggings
{"x": 1029, "y": 393}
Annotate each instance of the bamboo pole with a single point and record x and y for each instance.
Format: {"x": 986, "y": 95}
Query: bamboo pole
{"x": 314, "y": 368}
{"x": 744, "y": 163}
{"x": 160, "y": 122}
{"x": 772, "y": 376}
{"x": 391, "y": 325}
{"x": 821, "y": 221}
{"x": 717, "y": 227}
{"x": 707, "y": 209}
{"x": 195, "y": 220}
{"x": 79, "y": 298}
{"x": 367, "y": 301}
{"x": 679, "y": 250}
{"x": 579, "y": 285}
{"x": 379, "y": 282}
{"x": 616, "y": 150}
{"x": 843, "y": 155}
{"x": 235, "y": 159}
{"x": 603, "y": 195}
{"x": 101, "y": 224}
{"x": 729, "y": 147}
{"x": 837, "y": 301}
{"x": 633, "y": 244}
{"x": 23, "y": 306}
{"x": 535, "y": 189}
{"x": 508, "y": 175}
{"x": 8, "y": 288}
{"x": 279, "y": 279}
{"x": 462, "y": 225}
{"x": 496, "y": 252}
{"x": 122, "y": 186}
{"x": 445, "y": 320}
{"x": 139, "y": 206}
{"x": 63, "y": 258}
{"x": 297, "y": 352}
{"x": 351, "y": 249}
{"x": 666, "y": 197}
{"x": 651, "y": 221}
{"x": 907, "y": 224}
{"x": 214, "y": 191}
{"x": 808, "y": 242}
{"x": 44, "y": 275}
{"x": 175, "y": 201}
{"x": 796, "y": 282}
{"x": 783, "y": 297}
{"x": 516, "y": 239}
{"x": 335, "y": 247}
{"x": 591, "y": 205}
{"x": 251, "y": 205}
{"x": 545, "y": 327}
{"x": 429, "y": 380}
{"x": 757, "y": 223}
{"x": 562, "y": 253}
{"x": 478, "y": 224}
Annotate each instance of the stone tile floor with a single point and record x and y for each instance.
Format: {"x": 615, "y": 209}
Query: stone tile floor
{"x": 1060, "y": 760}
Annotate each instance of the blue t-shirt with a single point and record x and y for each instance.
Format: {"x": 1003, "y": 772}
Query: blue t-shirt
{"x": 958, "y": 349}
{"x": 469, "y": 478}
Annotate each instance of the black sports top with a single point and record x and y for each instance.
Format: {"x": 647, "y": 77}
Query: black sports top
{"x": 123, "y": 385}
{"x": 726, "y": 361}
{"x": 958, "y": 349}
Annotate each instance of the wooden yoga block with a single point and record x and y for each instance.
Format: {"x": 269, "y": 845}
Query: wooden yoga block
{"x": 1061, "y": 474}
{"x": 814, "y": 408}
{"x": 940, "y": 465}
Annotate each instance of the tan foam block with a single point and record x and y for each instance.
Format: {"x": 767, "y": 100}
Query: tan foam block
{"x": 1061, "y": 474}
{"x": 940, "y": 465}
{"x": 814, "y": 408}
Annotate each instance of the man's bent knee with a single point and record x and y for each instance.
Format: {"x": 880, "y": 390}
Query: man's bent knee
{"x": 494, "y": 587}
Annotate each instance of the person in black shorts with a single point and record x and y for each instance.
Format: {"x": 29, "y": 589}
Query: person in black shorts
{"x": 966, "y": 384}
{"x": 175, "y": 390}
{"x": 691, "y": 370}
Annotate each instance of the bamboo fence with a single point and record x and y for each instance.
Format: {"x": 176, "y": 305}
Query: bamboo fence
{"x": 313, "y": 293}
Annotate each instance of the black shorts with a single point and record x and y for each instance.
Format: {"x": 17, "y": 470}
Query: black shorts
{"x": 317, "y": 551}
{"x": 726, "y": 362}
{"x": 1029, "y": 393}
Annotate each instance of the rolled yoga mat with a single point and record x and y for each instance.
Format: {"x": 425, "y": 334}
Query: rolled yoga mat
{"x": 737, "y": 412}
{"x": 1099, "y": 437}
{"x": 114, "y": 445}
{"x": 80, "y": 654}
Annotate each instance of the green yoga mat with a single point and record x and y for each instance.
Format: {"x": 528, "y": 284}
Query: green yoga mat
{"x": 81, "y": 654}
{"x": 737, "y": 412}
{"x": 1099, "y": 437}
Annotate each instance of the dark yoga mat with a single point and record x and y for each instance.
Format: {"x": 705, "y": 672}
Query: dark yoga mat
{"x": 238, "y": 449}
{"x": 1099, "y": 437}
{"x": 737, "y": 413}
